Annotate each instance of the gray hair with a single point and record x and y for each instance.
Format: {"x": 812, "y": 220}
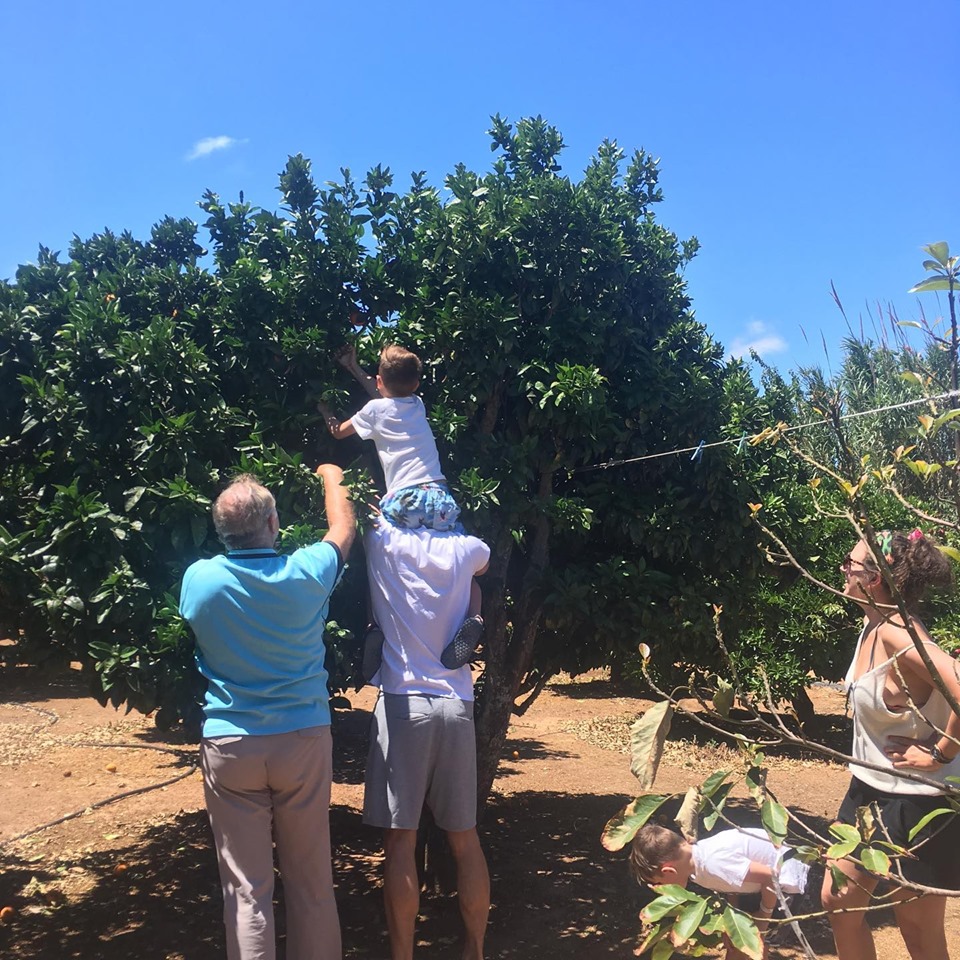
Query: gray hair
{"x": 241, "y": 513}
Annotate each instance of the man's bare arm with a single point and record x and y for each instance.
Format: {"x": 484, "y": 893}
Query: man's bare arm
{"x": 341, "y": 520}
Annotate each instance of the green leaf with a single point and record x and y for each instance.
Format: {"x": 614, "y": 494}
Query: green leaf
{"x": 838, "y": 878}
{"x": 622, "y": 828}
{"x": 774, "y": 817}
{"x": 659, "y": 908}
{"x": 807, "y": 853}
{"x": 723, "y": 698}
{"x": 647, "y": 736}
{"x": 849, "y": 838}
{"x": 662, "y": 951}
{"x": 940, "y": 251}
{"x": 933, "y": 814}
{"x": 687, "y": 922}
{"x": 931, "y": 284}
{"x": 876, "y": 861}
{"x": 845, "y": 831}
{"x": 712, "y": 783}
{"x": 756, "y": 778}
{"x": 838, "y": 851}
{"x": 952, "y": 552}
{"x": 946, "y": 418}
{"x": 716, "y": 803}
{"x": 743, "y": 933}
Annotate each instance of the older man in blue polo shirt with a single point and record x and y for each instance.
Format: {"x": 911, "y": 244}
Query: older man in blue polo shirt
{"x": 258, "y": 618}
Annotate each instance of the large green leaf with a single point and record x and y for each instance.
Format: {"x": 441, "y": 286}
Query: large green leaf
{"x": 661, "y": 907}
{"x": 743, "y": 933}
{"x": 647, "y": 736}
{"x": 714, "y": 805}
{"x": 687, "y": 922}
{"x": 622, "y": 828}
{"x": 940, "y": 251}
{"x": 662, "y": 951}
{"x": 775, "y": 820}
{"x": 713, "y": 782}
{"x": 876, "y": 861}
{"x": 931, "y": 284}
{"x": 932, "y": 815}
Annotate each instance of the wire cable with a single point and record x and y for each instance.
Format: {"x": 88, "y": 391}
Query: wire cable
{"x": 949, "y": 395}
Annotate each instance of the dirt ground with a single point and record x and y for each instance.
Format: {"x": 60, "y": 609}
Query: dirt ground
{"x": 138, "y": 878}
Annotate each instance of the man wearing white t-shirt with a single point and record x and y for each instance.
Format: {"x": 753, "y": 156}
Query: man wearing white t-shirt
{"x": 422, "y": 742}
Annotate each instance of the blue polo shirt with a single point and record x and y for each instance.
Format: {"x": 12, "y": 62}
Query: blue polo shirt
{"x": 258, "y": 618}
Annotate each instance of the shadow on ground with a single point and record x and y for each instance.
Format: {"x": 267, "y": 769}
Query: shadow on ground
{"x": 556, "y": 892}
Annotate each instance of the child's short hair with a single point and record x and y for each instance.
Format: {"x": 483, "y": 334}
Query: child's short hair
{"x": 652, "y": 847}
{"x": 400, "y": 370}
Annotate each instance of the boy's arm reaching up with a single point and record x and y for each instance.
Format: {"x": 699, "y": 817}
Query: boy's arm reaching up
{"x": 347, "y": 358}
{"x": 339, "y": 429}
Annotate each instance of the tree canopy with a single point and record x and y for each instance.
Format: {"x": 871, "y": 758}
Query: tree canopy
{"x": 553, "y": 321}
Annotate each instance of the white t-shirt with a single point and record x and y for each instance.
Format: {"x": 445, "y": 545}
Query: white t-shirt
{"x": 721, "y": 862}
{"x": 420, "y": 592}
{"x": 405, "y": 443}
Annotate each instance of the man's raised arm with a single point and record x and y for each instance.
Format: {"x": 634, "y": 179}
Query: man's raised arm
{"x": 341, "y": 520}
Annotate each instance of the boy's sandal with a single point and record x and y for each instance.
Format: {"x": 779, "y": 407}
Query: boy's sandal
{"x": 464, "y": 644}
{"x": 372, "y": 654}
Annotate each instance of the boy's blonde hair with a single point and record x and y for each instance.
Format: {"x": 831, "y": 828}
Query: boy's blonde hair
{"x": 400, "y": 370}
{"x": 653, "y": 847}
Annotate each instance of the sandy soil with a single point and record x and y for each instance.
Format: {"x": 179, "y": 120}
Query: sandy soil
{"x": 138, "y": 878}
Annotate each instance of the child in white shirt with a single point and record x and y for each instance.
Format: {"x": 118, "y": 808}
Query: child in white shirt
{"x": 396, "y": 421}
{"x": 734, "y": 861}
{"x": 417, "y": 493}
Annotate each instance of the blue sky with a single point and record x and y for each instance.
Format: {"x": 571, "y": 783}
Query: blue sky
{"x": 801, "y": 143}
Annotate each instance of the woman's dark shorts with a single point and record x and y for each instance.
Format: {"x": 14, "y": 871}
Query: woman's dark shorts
{"x": 936, "y": 847}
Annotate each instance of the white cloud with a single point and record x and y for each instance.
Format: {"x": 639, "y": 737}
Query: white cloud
{"x": 208, "y": 145}
{"x": 759, "y": 338}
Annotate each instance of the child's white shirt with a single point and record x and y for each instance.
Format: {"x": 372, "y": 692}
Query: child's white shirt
{"x": 405, "y": 444}
{"x": 721, "y": 862}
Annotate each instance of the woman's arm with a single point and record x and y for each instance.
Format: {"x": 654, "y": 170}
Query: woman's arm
{"x": 916, "y": 754}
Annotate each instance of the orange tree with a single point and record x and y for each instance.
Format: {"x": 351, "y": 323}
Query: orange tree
{"x": 135, "y": 381}
{"x": 552, "y": 316}
{"x": 556, "y": 332}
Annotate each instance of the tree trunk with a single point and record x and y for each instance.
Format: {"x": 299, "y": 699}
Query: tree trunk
{"x": 507, "y": 664}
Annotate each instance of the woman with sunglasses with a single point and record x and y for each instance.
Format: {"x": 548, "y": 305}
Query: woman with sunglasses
{"x": 903, "y": 725}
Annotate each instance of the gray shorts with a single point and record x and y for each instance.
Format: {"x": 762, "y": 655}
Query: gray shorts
{"x": 422, "y": 751}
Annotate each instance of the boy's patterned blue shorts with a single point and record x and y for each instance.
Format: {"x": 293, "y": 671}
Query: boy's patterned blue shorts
{"x": 425, "y": 505}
